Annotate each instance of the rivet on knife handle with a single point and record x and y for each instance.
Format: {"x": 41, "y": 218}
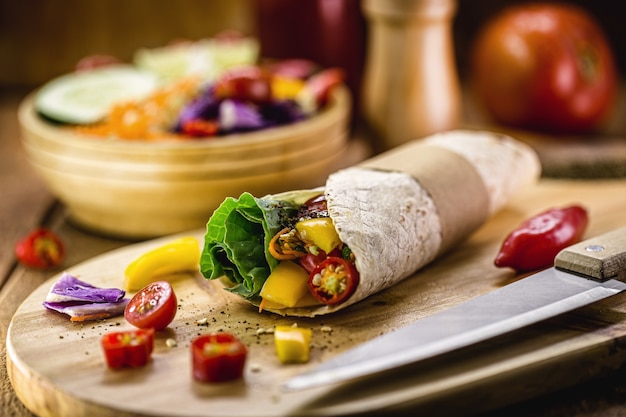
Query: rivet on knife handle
{"x": 602, "y": 257}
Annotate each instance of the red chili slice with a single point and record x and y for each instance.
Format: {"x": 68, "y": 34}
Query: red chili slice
{"x": 40, "y": 249}
{"x": 333, "y": 280}
{"x": 128, "y": 349}
{"x": 200, "y": 128}
{"x": 217, "y": 357}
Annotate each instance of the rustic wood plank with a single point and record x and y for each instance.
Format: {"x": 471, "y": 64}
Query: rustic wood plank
{"x": 24, "y": 202}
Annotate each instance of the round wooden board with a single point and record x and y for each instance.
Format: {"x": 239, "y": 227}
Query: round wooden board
{"x": 56, "y": 366}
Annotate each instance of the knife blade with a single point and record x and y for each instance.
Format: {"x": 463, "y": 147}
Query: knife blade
{"x": 584, "y": 273}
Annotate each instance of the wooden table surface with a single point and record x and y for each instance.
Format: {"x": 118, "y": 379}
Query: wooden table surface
{"x": 25, "y": 204}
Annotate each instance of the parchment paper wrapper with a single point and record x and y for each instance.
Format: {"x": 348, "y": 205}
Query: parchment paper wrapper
{"x": 400, "y": 210}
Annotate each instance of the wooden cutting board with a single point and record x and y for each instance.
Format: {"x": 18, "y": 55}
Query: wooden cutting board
{"x": 57, "y": 368}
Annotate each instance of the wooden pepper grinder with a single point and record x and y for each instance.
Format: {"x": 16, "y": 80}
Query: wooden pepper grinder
{"x": 410, "y": 87}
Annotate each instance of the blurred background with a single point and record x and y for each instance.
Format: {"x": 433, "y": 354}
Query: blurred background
{"x": 40, "y": 39}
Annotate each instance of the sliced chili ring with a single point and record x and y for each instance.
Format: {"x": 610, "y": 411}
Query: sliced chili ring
{"x": 333, "y": 280}
{"x": 128, "y": 349}
{"x": 217, "y": 357}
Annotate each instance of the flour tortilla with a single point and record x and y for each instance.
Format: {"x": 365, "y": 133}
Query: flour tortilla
{"x": 401, "y": 210}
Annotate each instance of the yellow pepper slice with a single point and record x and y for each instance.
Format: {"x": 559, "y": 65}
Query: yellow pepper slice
{"x": 284, "y": 88}
{"x": 286, "y": 284}
{"x": 293, "y": 344}
{"x": 180, "y": 255}
{"x": 320, "y": 231}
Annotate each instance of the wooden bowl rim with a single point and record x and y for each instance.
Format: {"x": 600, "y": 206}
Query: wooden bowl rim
{"x": 338, "y": 108}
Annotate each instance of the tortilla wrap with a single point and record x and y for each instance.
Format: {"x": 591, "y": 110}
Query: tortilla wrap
{"x": 402, "y": 209}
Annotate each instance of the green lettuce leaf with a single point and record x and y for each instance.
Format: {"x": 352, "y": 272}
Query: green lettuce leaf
{"x": 236, "y": 241}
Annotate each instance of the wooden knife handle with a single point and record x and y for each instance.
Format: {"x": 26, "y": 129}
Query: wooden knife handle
{"x": 601, "y": 258}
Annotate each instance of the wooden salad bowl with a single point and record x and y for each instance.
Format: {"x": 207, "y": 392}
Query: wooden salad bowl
{"x": 140, "y": 189}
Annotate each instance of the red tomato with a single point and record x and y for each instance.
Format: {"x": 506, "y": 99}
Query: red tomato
{"x": 544, "y": 67}
{"x": 217, "y": 357}
{"x": 323, "y": 82}
{"x": 246, "y": 84}
{"x": 128, "y": 349}
{"x": 96, "y": 61}
{"x": 154, "y": 306}
{"x": 333, "y": 280}
{"x": 310, "y": 261}
{"x": 40, "y": 249}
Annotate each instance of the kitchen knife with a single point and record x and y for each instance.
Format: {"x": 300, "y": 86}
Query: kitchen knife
{"x": 583, "y": 273}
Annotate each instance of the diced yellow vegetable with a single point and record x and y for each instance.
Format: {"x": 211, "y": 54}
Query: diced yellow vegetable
{"x": 286, "y": 88}
{"x": 320, "y": 231}
{"x": 286, "y": 284}
{"x": 180, "y": 255}
{"x": 293, "y": 344}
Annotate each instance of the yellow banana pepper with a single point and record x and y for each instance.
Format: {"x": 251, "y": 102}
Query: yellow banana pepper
{"x": 180, "y": 255}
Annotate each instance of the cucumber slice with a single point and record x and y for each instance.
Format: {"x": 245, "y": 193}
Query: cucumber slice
{"x": 206, "y": 58}
{"x": 86, "y": 97}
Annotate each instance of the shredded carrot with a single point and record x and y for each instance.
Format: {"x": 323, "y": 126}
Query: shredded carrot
{"x": 281, "y": 249}
{"x": 95, "y": 316}
{"x": 275, "y": 245}
{"x": 150, "y": 118}
{"x": 262, "y": 305}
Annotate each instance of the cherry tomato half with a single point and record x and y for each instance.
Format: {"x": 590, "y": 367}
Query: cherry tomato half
{"x": 128, "y": 349}
{"x": 217, "y": 357}
{"x": 547, "y": 67}
{"x": 333, "y": 280}
{"x": 40, "y": 249}
{"x": 154, "y": 306}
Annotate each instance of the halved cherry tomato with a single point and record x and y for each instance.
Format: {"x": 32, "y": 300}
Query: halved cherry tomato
{"x": 154, "y": 306}
{"x": 217, "y": 357}
{"x": 40, "y": 249}
{"x": 128, "y": 349}
{"x": 333, "y": 280}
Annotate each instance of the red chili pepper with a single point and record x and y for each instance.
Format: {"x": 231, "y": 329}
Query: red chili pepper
{"x": 200, "y": 128}
{"x": 322, "y": 83}
{"x": 128, "y": 349}
{"x": 333, "y": 280}
{"x": 538, "y": 240}
{"x": 218, "y": 357}
{"x": 40, "y": 249}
